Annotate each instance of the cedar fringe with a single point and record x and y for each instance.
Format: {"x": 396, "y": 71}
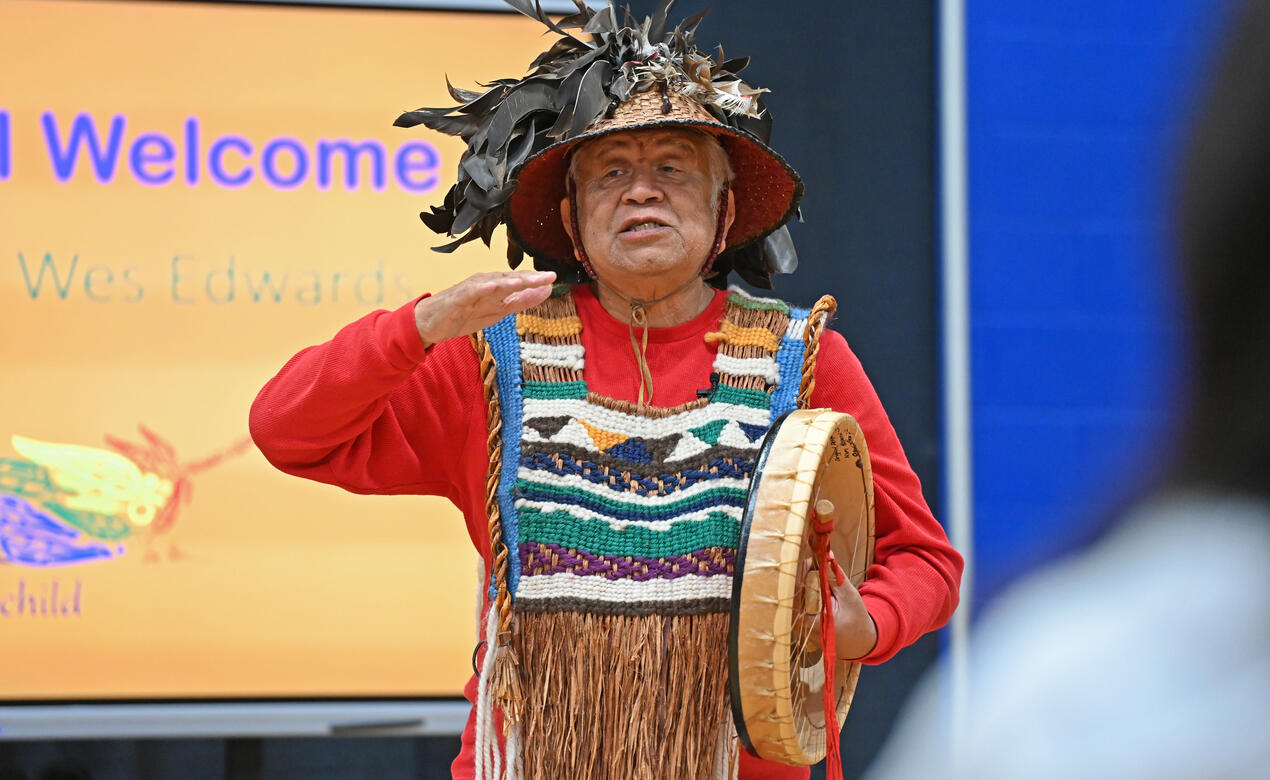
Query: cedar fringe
{"x": 616, "y": 697}
{"x": 504, "y": 683}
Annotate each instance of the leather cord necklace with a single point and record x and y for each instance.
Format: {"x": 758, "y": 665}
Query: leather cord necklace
{"x": 639, "y": 318}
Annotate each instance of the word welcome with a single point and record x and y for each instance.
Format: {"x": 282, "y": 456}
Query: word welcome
{"x": 231, "y": 161}
{"x": 6, "y": 146}
{"x": 189, "y": 279}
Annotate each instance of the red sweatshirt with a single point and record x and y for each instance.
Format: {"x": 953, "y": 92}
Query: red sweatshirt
{"x": 368, "y": 409}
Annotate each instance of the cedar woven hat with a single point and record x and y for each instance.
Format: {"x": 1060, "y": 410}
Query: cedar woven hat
{"x": 608, "y": 79}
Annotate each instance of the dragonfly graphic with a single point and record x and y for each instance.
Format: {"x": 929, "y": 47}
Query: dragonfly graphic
{"x": 63, "y": 504}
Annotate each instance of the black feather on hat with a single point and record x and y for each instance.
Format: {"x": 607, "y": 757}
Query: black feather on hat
{"x": 608, "y": 78}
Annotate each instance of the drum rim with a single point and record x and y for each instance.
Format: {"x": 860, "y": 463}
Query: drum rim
{"x": 738, "y": 576}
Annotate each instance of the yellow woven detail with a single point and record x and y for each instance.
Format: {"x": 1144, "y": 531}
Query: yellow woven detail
{"x": 602, "y": 438}
{"x": 745, "y": 337}
{"x": 553, "y": 327}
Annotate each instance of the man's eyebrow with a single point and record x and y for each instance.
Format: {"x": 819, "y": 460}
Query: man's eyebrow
{"x": 606, "y": 147}
{"x": 670, "y": 143}
{"x": 610, "y": 145}
{"x": 682, "y": 144}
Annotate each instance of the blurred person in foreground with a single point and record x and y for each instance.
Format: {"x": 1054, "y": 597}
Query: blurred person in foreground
{"x": 1148, "y": 655}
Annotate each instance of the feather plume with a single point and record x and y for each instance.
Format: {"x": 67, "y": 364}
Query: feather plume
{"x": 594, "y": 65}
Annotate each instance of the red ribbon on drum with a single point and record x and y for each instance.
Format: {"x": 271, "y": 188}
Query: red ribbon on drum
{"x": 825, "y": 562}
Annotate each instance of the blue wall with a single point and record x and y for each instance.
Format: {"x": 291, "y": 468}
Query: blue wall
{"x": 1076, "y": 111}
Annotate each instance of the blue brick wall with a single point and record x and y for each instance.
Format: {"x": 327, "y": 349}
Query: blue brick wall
{"x": 1076, "y": 110}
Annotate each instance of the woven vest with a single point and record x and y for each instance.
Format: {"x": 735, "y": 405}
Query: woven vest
{"x": 622, "y": 525}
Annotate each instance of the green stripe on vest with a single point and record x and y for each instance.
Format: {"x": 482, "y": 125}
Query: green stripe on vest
{"x": 551, "y": 390}
{"x": 726, "y": 394}
{"x": 751, "y": 303}
{"x": 597, "y": 537}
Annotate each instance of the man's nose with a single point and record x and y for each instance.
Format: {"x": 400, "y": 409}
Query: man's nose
{"x": 643, "y": 188}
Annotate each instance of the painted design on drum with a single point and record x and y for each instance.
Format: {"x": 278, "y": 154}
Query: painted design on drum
{"x": 615, "y": 509}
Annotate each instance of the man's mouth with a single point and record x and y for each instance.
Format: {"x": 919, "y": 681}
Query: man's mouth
{"x": 642, "y": 226}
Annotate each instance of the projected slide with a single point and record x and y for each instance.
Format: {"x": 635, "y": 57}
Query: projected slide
{"x": 189, "y": 194}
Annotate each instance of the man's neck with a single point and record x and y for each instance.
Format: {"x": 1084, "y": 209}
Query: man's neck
{"x": 679, "y": 304}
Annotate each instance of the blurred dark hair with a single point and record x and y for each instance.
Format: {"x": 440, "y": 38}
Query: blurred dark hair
{"x": 1225, "y": 254}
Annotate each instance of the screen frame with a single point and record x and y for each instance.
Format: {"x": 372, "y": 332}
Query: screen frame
{"x": 222, "y": 720}
{"x": 491, "y": 6}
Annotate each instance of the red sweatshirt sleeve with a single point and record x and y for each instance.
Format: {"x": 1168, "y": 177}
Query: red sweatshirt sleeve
{"x": 373, "y": 411}
{"x": 912, "y": 587}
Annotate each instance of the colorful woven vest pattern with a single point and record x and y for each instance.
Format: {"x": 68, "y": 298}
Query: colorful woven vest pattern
{"x": 622, "y": 523}
{"x": 594, "y": 482}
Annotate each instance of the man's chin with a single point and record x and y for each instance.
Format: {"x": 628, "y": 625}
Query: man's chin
{"x": 663, "y": 252}
{"x": 649, "y": 262}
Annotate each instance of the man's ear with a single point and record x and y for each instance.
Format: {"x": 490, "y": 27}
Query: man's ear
{"x": 728, "y": 219}
{"x": 566, "y": 218}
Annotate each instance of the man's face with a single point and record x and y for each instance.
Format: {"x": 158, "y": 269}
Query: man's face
{"x": 646, "y": 202}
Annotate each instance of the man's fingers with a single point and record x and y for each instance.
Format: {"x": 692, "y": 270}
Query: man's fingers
{"x": 517, "y": 280}
{"x": 489, "y": 294}
{"x": 478, "y": 301}
{"x": 523, "y": 299}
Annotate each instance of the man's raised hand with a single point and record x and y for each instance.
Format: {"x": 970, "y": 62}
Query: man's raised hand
{"x": 478, "y": 302}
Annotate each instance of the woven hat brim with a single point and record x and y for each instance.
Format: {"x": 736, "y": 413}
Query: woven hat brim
{"x": 766, "y": 189}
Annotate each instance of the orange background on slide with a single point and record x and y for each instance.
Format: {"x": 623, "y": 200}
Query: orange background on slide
{"x": 287, "y": 588}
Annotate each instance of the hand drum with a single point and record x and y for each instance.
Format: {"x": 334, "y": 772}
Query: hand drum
{"x": 776, "y": 680}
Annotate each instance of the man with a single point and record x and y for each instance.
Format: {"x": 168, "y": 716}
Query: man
{"x": 629, "y": 407}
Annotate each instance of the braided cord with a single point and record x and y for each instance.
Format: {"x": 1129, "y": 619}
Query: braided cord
{"x": 494, "y": 445}
{"x": 816, "y": 322}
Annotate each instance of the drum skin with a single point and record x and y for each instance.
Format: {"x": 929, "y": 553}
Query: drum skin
{"x": 776, "y": 687}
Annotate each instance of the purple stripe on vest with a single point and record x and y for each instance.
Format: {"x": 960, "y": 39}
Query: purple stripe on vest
{"x": 538, "y": 558}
